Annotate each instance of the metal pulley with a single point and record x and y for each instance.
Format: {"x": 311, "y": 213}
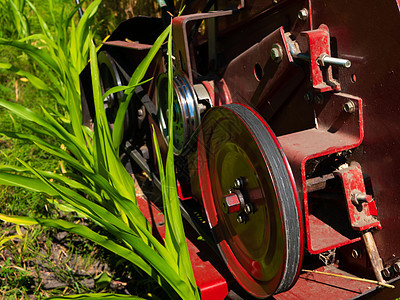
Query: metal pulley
{"x": 187, "y": 108}
{"x": 251, "y": 202}
{"x": 109, "y": 78}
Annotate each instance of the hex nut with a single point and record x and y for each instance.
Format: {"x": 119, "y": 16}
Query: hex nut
{"x": 386, "y": 272}
{"x": 230, "y": 203}
{"x": 319, "y": 98}
{"x": 349, "y": 107}
{"x": 396, "y": 267}
{"x": 303, "y": 14}
{"x": 276, "y": 53}
{"x": 356, "y": 254}
{"x": 308, "y": 97}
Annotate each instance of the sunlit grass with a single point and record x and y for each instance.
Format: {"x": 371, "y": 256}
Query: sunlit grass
{"x": 96, "y": 185}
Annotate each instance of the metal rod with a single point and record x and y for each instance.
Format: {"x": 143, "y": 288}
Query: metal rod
{"x": 350, "y": 277}
{"x": 324, "y": 59}
{"x": 79, "y": 9}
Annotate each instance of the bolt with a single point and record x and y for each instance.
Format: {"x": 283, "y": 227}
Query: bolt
{"x": 202, "y": 108}
{"x": 396, "y": 266}
{"x": 238, "y": 183}
{"x": 358, "y": 197}
{"x": 386, "y": 272}
{"x": 303, "y": 14}
{"x": 248, "y": 208}
{"x": 276, "y": 53}
{"x": 319, "y": 98}
{"x": 324, "y": 59}
{"x": 355, "y": 253}
{"x": 349, "y": 107}
{"x": 230, "y": 203}
{"x": 240, "y": 219}
{"x": 308, "y": 97}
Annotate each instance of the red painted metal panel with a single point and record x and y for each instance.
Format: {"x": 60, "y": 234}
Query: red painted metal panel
{"x": 318, "y": 286}
{"x": 331, "y": 135}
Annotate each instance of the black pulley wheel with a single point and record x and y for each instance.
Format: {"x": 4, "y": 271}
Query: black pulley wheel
{"x": 110, "y": 76}
{"x": 250, "y": 199}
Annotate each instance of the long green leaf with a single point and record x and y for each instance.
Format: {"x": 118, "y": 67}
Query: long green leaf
{"x": 37, "y": 54}
{"x": 134, "y": 81}
{"x": 96, "y": 296}
{"x": 37, "y": 82}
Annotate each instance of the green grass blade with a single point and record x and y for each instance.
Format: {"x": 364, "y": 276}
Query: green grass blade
{"x": 20, "y": 20}
{"x": 134, "y": 81}
{"x": 141, "y": 248}
{"x": 32, "y": 184}
{"x": 96, "y": 296}
{"x": 174, "y": 224}
{"x": 36, "y": 82}
{"x": 35, "y": 53}
{"x": 43, "y": 25}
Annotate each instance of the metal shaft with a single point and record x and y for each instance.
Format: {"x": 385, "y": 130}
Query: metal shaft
{"x": 79, "y": 9}
{"x": 324, "y": 59}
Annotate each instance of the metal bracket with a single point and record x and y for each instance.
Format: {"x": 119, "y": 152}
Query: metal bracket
{"x": 361, "y": 207}
{"x": 320, "y": 60}
{"x": 181, "y": 39}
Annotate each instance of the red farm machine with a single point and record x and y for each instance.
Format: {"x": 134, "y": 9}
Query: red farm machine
{"x": 286, "y": 139}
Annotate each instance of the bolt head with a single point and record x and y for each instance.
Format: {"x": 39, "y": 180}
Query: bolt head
{"x": 248, "y": 208}
{"x": 355, "y": 253}
{"x": 386, "y": 272}
{"x": 396, "y": 267}
{"x": 303, "y": 14}
{"x": 308, "y": 97}
{"x": 319, "y": 98}
{"x": 276, "y": 53}
{"x": 230, "y": 203}
{"x": 240, "y": 219}
{"x": 238, "y": 183}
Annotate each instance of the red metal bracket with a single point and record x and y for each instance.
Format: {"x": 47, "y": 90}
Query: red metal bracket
{"x": 337, "y": 131}
{"x": 361, "y": 207}
{"x": 319, "y": 46}
{"x": 181, "y": 41}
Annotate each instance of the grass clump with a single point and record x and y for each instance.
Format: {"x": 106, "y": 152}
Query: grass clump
{"x": 94, "y": 184}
